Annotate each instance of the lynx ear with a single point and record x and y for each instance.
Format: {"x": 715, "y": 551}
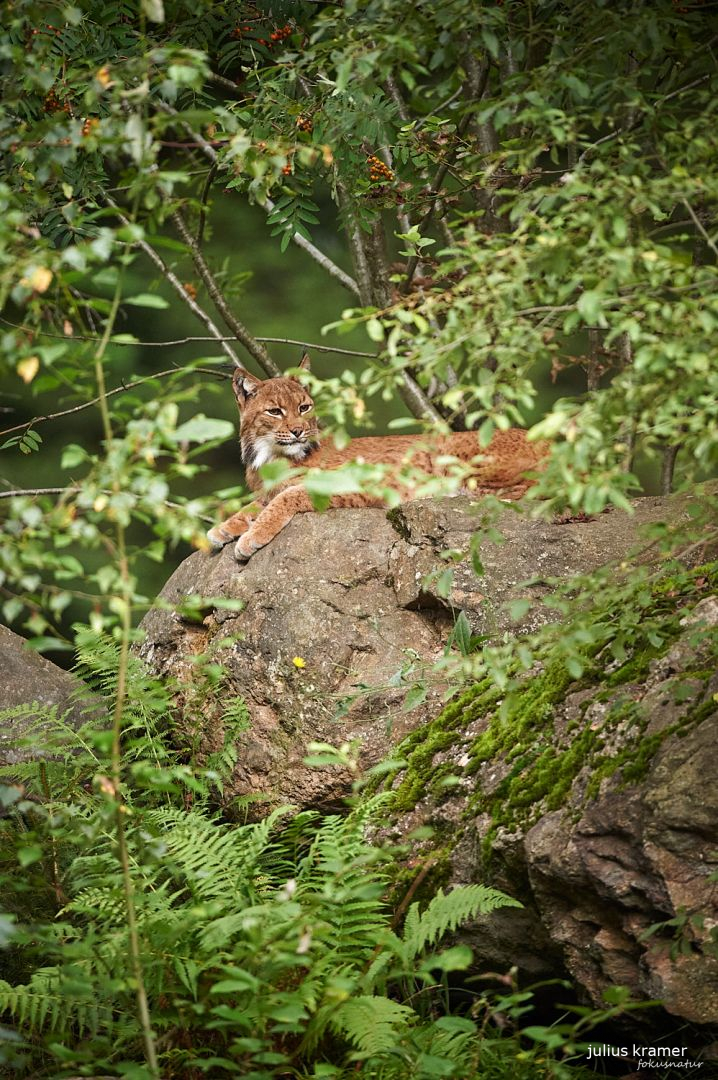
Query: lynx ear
{"x": 305, "y": 363}
{"x": 244, "y": 386}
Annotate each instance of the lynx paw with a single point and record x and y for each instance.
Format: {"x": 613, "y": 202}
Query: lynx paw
{"x": 218, "y": 537}
{"x": 245, "y": 548}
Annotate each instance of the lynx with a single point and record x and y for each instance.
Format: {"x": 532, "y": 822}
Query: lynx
{"x": 277, "y": 420}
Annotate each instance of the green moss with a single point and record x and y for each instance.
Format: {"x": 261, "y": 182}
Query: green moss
{"x": 519, "y": 734}
{"x": 421, "y": 747}
{"x": 635, "y": 668}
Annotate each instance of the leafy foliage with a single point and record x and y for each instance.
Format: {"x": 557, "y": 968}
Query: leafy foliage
{"x": 248, "y": 970}
{"x": 527, "y": 196}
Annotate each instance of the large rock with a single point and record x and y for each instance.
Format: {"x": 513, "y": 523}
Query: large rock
{"x": 337, "y": 605}
{"x": 601, "y": 815}
{"x": 30, "y": 685}
{"x": 618, "y": 835}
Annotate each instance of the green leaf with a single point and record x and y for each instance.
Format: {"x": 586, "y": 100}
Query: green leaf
{"x": 589, "y": 305}
{"x": 519, "y": 608}
{"x": 7, "y": 930}
{"x": 574, "y": 667}
{"x": 375, "y": 330}
{"x": 461, "y": 634}
{"x": 148, "y": 300}
{"x": 457, "y": 958}
{"x": 29, "y": 854}
{"x": 415, "y": 696}
{"x": 72, "y": 456}
{"x": 202, "y": 428}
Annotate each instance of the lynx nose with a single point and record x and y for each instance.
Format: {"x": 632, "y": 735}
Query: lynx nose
{"x": 297, "y": 432}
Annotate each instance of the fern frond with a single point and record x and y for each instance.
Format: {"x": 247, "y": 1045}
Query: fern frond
{"x": 447, "y": 910}
{"x": 51, "y": 1001}
{"x": 372, "y": 1024}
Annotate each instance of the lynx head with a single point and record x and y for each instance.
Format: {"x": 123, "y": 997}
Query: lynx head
{"x": 276, "y": 418}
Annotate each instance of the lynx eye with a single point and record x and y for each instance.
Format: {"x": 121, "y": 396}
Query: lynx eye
{"x": 275, "y": 412}
{"x": 305, "y": 407}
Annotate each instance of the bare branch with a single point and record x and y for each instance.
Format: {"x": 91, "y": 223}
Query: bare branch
{"x": 179, "y": 288}
{"x": 37, "y": 491}
{"x": 306, "y": 245}
{"x": 699, "y": 225}
{"x": 110, "y": 393}
{"x": 313, "y": 345}
{"x": 220, "y": 80}
{"x": 203, "y": 202}
{"x": 253, "y": 347}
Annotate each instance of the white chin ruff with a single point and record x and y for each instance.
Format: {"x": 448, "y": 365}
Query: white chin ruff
{"x": 298, "y": 451}
{"x": 266, "y": 449}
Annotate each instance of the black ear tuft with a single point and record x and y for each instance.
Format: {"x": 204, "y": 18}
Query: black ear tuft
{"x": 244, "y": 385}
{"x": 305, "y": 363}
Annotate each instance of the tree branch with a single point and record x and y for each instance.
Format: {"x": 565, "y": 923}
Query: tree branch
{"x": 306, "y": 245}
{"x": 110, "y": 393}
{"x": 431, "y": 194}
{"x": 253, "y": 347}
{"x": 203, "y": 202}
{"x": 313, "y": 345}
{"x": 699, "y": 225}
{"x": 179, "y": 288}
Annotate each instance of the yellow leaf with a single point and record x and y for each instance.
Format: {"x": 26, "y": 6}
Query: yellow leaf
{"x": 103, "y": 76}
{"x": 39, "y": 279}
{"x": 28, "y": 368}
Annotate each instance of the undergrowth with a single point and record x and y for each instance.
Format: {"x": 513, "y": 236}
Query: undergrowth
{"x": 268, "y": 950}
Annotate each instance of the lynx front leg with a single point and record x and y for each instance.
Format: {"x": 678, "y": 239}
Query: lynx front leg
{"x": 275, "y": 516}
{"x": 229, "y": 529}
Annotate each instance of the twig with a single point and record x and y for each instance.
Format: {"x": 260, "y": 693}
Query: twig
{"x": 699, "y": 225}
{"x": 253, "y": 347}
{"x": 109, "y": 393}
{"x": 179, "y": 288}
{"x": 313, "y": 345}
{"x": 432, "y": 193}
{"x": 203, "y": 202}
{"x": 36, "y": 491}
{"x": 221, "y": 81}
{"x": 319, "y": 257}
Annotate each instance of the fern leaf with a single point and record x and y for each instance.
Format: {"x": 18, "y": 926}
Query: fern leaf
{"x": 372, "y": 1024}
{"x": 446, "y": 911}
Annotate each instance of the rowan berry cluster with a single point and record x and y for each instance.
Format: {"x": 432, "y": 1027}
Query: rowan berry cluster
{"x": 378, "y": 171}
{"x": 53, "y": 30}
{"x": 279, "y": 35}
{"x": 287, "y": 169}
{"x": 304, "y": 124}
{"x": 53, "y": 104}
{"x": 89, "y": 125}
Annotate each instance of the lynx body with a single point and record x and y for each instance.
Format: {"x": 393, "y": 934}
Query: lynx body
{"x": 277, "y": 420}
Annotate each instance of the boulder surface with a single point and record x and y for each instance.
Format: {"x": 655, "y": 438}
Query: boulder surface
{"x": 29, "y": 686}
{"x": 604, "y": 824}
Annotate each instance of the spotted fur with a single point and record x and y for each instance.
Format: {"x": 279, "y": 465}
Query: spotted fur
{"x": 277, "y": 419}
